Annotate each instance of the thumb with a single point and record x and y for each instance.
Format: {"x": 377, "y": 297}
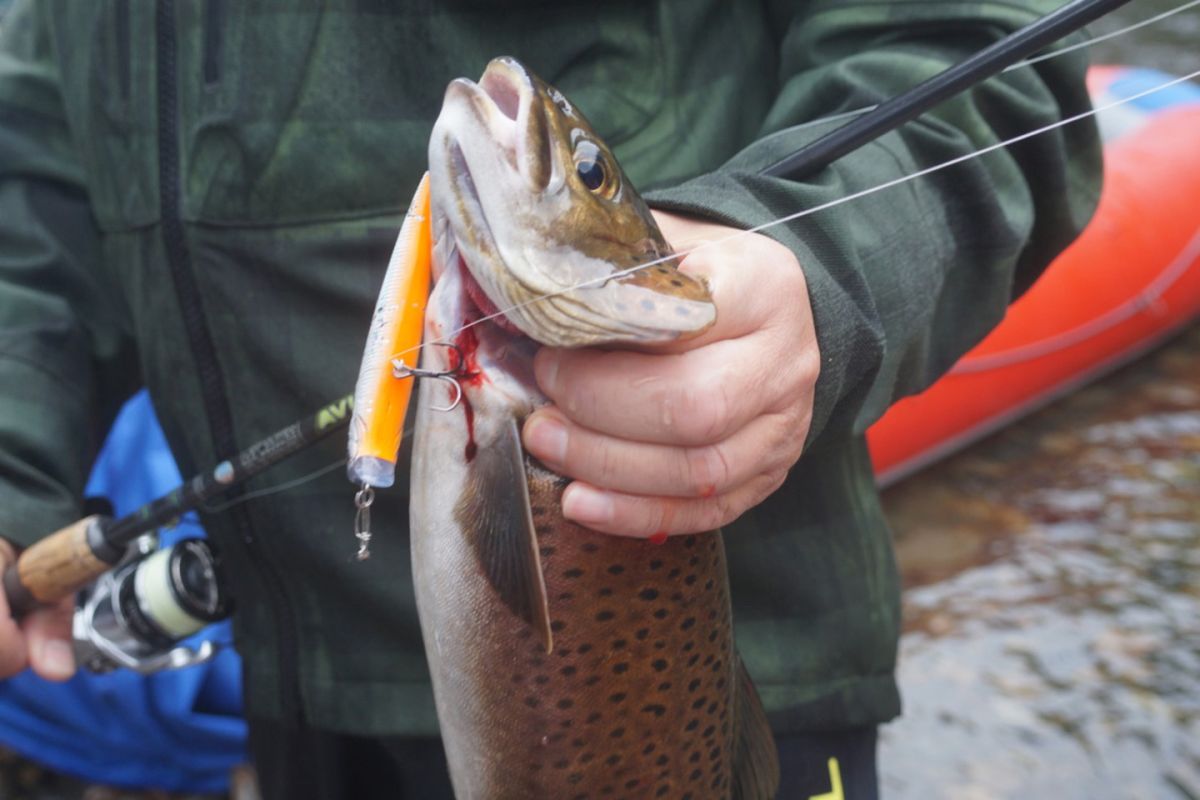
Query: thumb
{"x": 48, "y": 637}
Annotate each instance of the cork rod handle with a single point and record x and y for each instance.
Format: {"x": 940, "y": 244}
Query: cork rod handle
{"x": 56, "y": 567}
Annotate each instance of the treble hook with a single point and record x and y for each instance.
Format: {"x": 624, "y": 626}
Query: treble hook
{"x": 451, "y": 376}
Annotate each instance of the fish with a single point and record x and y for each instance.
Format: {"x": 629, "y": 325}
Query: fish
{"x": 565, "y": 663}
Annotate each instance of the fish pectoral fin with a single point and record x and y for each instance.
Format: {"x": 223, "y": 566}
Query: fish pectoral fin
{"x": 495, "y": 514}
{"x": 755, "y": 758}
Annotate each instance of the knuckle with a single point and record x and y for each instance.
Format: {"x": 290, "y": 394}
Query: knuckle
{"x": 707, "y": 470}
{"x": 705, "y": 409}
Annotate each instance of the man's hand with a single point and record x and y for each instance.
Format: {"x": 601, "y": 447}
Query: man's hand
{"x": 687, "y": 438}
{"x": 41, "y": 640}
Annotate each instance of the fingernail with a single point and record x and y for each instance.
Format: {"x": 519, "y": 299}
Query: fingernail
{"x": 545, "y": 368}
{"x": 546, "y": 437}
{"x": 586, "y": 505}
{"x": 58, "y": 660}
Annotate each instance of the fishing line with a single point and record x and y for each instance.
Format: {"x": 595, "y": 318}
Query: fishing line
{"x": 814, "y": 209}
{"x": 846, "y": 115}
{"x": 270, "y": 490}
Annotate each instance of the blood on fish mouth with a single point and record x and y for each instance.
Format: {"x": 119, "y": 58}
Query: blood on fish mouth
{"x": 478, "y": 298}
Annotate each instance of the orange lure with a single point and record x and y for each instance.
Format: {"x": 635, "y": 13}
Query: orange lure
{"x": 380, "y": 398}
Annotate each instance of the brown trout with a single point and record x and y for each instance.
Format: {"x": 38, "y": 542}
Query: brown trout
{"x": 566, "y": 664}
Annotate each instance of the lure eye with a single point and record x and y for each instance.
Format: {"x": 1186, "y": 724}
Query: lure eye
{"x": 590, "y": 166}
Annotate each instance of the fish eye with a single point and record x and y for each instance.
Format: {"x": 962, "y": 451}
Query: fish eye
{"x": 590, "y": 166}
{"x": 591, "y": 173}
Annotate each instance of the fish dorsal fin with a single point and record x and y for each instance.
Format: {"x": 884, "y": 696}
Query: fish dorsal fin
{"x": 495, "y": 514}
{"x": 755, "y": 759}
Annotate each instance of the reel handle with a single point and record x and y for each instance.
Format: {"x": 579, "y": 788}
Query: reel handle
{"x": 58, "y": 566}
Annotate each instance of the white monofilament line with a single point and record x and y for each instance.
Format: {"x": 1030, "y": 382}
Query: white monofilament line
{"x": 824, "y": 206}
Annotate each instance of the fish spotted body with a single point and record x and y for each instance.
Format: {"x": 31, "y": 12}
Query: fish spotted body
{"x": 565, "y": 663}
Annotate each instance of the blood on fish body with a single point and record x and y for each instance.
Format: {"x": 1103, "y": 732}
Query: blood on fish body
{"x": 566, "y": 663}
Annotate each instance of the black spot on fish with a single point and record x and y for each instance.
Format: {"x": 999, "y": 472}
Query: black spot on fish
{"x": 557, "y": 625}
{"x": 541, "y": 680}
{"x": 683, "y": 626}
{"x": 661, "y": 613}
{"x": 565, "y": 703}
{"x": 616, "y": 733}
{"x": 616, "y": 569}
{"x": 709, "y": 731}
{"x": 642, "y": 633}
{"x": 696, "y": 775}
{"x": 604, "y": 616}
{"x": 662, "y": 760}
{"x": 592, "y": 717}
{"x": 592, "y": 681}
{"x": 532, "y": 702}
{"x": 690, "y": 579}
{"x": 590, "y": 547}
{"x": 689, "y": 646}
{"x": 583, "y": 648}
{"x": 662, "y": 790}
{"x": 694, "y": 758}
{"x": 546, "y": 551}
{"x": 586, "y": 757}
{"x": 632, "y": 784}
{"x": 612, "y": 760}
{"x": 567, "y": 671}
{"x": 574, "y": 572}
{"x": 619, "y": 644}
{"x": 617, "y": 697}
{"x": 674, "y": 573}
{"x": 699, "y": 704}
{"x": 621, "y": 668}
{"x": 694, "y": 685}
{"x": 656, "y": 563}
{"x": 605, "y": 592}
{"x": 566, "y": 596}
{"x": 664, "y": 686}
{"x": 648, "y": 594}
{"x": 562, "y": 763}
{"x": 657, "y": 709}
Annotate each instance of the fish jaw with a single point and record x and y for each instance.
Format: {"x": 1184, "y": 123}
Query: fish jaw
{"x": 567, "y": 265}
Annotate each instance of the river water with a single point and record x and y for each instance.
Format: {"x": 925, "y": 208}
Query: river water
{"x": 1052, "y": 574}
{"x": 1052, "y": 604}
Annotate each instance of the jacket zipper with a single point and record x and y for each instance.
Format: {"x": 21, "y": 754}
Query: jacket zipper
{"x": 204, "y": 354}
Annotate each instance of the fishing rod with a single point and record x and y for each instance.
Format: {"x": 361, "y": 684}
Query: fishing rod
{"x": 908, "y": 105}
{"x": 73, "y": 557}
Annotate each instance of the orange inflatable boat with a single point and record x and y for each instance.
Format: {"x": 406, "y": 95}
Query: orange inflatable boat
{"x": 1130, "y": 280}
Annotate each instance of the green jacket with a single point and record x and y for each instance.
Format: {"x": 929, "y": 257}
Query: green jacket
{"x": 201, "y": 198}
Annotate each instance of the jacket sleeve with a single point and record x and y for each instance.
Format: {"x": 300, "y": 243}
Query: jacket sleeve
{"x": 905, "y": 280}
{"x": 66, "y": 360}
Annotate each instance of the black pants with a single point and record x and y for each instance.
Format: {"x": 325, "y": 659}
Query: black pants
{"x": 305, "y": 764}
